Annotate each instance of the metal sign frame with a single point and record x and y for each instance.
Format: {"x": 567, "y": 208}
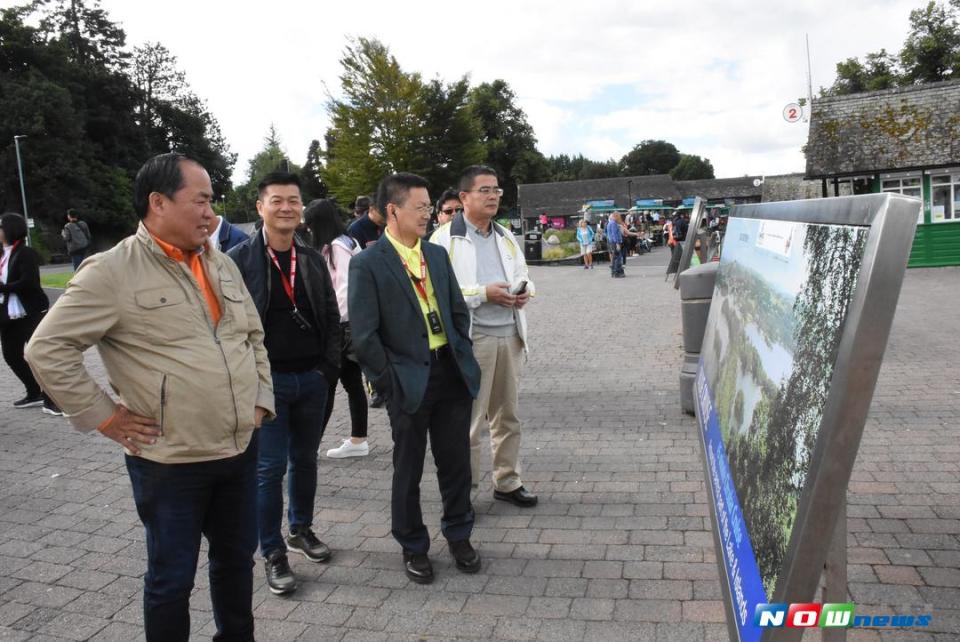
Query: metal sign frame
{"x": 891, "y": 222}
{"x": 696, "y": 215}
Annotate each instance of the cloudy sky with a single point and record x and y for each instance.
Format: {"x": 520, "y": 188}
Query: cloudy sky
{"x": 594, "y": 77}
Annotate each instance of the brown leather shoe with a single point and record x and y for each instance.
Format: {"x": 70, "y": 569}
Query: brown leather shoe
{"x": 520, "y": 497}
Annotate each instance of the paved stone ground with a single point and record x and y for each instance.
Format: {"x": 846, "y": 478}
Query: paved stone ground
{"x": 619, "y": 547}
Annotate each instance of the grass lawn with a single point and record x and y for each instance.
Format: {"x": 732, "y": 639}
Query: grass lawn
{"x": 56, "y": 280}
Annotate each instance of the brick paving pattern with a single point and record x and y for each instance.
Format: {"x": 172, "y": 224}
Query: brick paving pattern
{"x": 619, "y": 547}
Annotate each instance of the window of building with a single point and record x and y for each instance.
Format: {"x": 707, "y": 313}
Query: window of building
{"x": 852, "y": 186}
{"x": 907, "y": 184}
{"x": 945, "y": 197}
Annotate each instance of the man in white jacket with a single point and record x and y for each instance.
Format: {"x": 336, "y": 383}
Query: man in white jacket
{"x": 493, "y": 278}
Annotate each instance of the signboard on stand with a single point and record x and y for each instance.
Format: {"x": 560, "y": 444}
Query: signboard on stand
{"x": 801, "y": 311}
{"x": 690, "y": 242}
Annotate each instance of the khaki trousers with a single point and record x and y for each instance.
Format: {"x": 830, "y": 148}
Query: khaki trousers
{"x": 500, "y": 362}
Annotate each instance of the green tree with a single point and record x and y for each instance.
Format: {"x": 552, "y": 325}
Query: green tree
{"x": 692, "y": 167}
{"x": 879, "y": 71}
{"x": 509, "y": 142}
{"x": 86, "y": 30}
{"x": 77, "y": 119}
{"x": 598, "y": 169}
{"x": 155, "y": 74}
{"x": 173, "y": 118}
{"x": 313, "y": 185}
{"x": 650, "y": 157}
{"x": 388, "y": 120}
{"x": 579, "y": 168}
{"x": 932, "y": 50}
{"x": 370, "y": 123}
{"x": 242, "y": 203}
{"x": 930, "y": 53}
{"x": 450, "y": 135}
{"x": 64, "y": 84}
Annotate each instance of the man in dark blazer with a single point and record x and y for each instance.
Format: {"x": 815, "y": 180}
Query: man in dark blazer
{"x": 411, "y": 332}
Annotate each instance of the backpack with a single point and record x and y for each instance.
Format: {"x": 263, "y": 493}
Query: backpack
{"x": 83, "y": 241}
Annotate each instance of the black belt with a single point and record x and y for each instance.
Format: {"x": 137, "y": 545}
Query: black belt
{"x": 440, "y": 353}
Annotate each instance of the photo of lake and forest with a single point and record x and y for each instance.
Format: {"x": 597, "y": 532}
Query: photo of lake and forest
{"x": 777, "y": 316}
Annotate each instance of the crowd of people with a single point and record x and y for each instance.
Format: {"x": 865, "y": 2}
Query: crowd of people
{"x": 225, "y": 352}
{"x": 619, "y": 236}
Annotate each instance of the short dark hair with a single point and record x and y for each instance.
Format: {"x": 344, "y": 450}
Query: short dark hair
{"x": 469, "y": 175}
{"x": 362, "y": 204}
{"x": 72, "y": 213}
{"x": 395, "y": 187}
{"x": 277, "y": 178}
{"x": 449, "y": 194}
{"x": 323, "y": 218}
{"x": 14, "y": 227}
{"x": 159, "y": 174}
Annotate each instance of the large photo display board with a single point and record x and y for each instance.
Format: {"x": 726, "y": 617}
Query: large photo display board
{"x": 801, "y": 311}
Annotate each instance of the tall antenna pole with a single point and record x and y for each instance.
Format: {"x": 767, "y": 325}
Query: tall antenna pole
{"x": 809, "y": 75}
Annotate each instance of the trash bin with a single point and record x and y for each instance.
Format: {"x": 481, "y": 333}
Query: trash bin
{"x": 532, "y": 249}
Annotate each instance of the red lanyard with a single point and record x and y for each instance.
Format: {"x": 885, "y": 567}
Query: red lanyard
{"x": 418, "y": 283}
{"x": 3, "y": 261}
{"x": 287, "y": 283}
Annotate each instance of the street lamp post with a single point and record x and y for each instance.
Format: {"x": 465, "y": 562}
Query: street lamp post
{"x": 629, "y": 194}
{"x": 23, "y": 190}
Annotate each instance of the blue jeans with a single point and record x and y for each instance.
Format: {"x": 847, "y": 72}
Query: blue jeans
{"x": 179, "y": 502}
{"x": 288, "y": 444}
{"x": 77, "y": 259}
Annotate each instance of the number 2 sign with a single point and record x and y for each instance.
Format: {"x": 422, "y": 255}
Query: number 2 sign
{"x": 792, "y": 112}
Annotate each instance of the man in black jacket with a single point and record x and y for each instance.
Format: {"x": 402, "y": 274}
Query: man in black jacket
{"x": 410, "y": 329}
{"x": 291, "y": 288}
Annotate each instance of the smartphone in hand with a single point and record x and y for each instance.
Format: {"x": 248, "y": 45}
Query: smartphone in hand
{"x": 519, "y": 289}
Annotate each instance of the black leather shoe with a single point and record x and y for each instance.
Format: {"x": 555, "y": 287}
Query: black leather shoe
{"x": 467, "y": 559}
{"x": 418, "y": 568}
{"x": 520, "y": 497}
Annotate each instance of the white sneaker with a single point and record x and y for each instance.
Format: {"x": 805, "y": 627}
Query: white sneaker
{"x": 349, "y": 449}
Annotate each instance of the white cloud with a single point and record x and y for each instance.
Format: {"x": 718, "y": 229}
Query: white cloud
{"x": 717, "y": 74}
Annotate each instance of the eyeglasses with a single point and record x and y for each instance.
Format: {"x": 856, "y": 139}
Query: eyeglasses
{"x": 423, "y": 209}
{"x": 489, "y": 191}
{"x": 450, "y": 211}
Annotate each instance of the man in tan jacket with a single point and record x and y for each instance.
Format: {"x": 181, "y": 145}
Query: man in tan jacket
{"x": 182, "y": 345}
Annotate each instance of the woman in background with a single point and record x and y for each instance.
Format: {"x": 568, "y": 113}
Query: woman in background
{"x": 22, "y": 304}
{"x": 330, "y": 237}
{"x": 585, "y": 237}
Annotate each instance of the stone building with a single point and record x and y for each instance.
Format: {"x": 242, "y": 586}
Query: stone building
{"x": 565, "y": 200}
{"x": 904, "y": 140}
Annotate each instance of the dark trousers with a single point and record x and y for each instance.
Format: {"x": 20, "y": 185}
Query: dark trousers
{"x": 288, "y": 444}
{"x": 616, "y": 259}
{"x": 351, "y": 379}
{"x": 444, "y": 414}
{"x": 14, "y": 336}
{"x": 179, "y": 502}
